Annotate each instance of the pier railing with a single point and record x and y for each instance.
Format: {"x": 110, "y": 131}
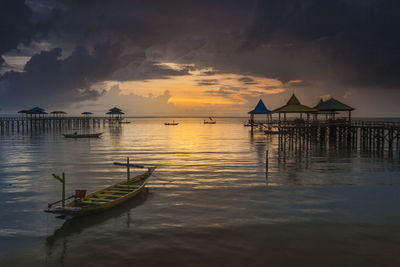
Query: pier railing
{"x": 308, "y": 123}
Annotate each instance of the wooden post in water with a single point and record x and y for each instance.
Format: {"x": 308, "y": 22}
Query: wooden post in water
{"x": 128, "y": 174}
{"x": 62, "y": 180}
{"x": 266, "y": 163}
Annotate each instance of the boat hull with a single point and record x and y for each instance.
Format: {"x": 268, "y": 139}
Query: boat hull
{"x": 104, "y": 199}
{"x": 96, "y": 135}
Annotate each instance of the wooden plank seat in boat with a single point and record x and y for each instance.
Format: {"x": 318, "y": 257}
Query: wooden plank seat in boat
{"x": 127, "y": 186}
{"x": 109, "y": 195}
{"x": 91, "y": 203}
{"x": 101, "y": 199}
{"x": 118, "y": 191}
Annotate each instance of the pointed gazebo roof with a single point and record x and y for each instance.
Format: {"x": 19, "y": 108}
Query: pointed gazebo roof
{"x": 332, "y": 105}
{"x": 36, "y": 110}
{"x": 260, "y": 109}
{"x": 319, "y": 103}
{"x": 114, "y": 111}
{"x": 294, "y": 106}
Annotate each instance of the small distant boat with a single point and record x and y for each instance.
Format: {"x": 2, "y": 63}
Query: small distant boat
{"x": 76, "y": 135}
{"x": 171, "y": 123}
{"x": 104, "y": 199}
{"x": 246, "y": 124}
{"x": 124, "y": 122}
{"x": 211, "y": 121}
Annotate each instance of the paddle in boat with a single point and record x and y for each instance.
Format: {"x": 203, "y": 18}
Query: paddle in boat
{"x": 171, "y": 123}
{"x": 107, "y": 198}
{"x": 211, "y": 121}
{"x": 87, "y": 135}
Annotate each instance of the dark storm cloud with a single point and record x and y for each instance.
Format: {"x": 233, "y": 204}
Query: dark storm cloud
{"x": 147, "y": 31}
{"x": 357, "y": 40}
{"x": 337, "y": 43}
{"x": 15, "y": 25}
{"x": 207, "y": 82}
{"x": 247, "y": 80}
{"x": 19, "y": 25}
{"x": 269, "y": 87}
{"x": 219, "y": 92}
{"x": 298, "y": 84}
{"x": 49, "y": 79}
{"x": 141, "y": 69}
{"x": 225, "y": 91}
{"x": 208, "y": 73}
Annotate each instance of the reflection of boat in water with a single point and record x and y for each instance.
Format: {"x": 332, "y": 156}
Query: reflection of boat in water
{"x": 76, "y": 135}
{"x": 211, "y": 121}
{"x": 77, "y": 225}
{"x": 103, "y": 199}
{"x": 171, "y": 123}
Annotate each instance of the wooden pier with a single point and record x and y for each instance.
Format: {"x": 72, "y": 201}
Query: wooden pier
{"x": 27, "y": 124}
{"x": 367, "y": 135}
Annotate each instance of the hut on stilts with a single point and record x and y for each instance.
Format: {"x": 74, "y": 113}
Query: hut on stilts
{"x": 260, "y": 109}
{"x": 115, "y": 114}
{"x": 294, "y": 106}
{"x": 332, "y": 107}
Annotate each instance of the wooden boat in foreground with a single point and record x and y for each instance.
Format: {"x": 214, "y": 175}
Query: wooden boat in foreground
{"x": 104, "y": 199}
{"x": 76, "y": 135}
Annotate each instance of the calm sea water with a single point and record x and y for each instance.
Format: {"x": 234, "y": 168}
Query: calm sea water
{"x": 210, "y": 202}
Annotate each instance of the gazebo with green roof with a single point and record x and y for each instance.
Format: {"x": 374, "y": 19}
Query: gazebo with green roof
{"x": 294, "y": 106}
{"x": 332, "y": 106}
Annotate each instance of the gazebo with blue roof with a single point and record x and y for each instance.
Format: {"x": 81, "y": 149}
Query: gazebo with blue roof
{"x": 260, "y": 109}
{"x": 115, "y": 113}
{"x": 36, "y": 111}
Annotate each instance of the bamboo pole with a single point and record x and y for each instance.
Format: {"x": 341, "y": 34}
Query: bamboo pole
{"x": 62, "y": 180}
{"x": 128, "y": 174}
{"x": 266, "y": 163}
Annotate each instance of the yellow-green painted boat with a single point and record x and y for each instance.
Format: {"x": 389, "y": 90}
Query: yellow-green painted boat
{"x": 106, "y": 198}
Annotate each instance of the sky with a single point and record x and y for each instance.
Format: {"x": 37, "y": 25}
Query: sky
{"x": 198, "y": 58}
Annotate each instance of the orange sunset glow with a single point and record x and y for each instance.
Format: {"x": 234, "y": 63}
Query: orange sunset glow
{"x": 230, "y": 91}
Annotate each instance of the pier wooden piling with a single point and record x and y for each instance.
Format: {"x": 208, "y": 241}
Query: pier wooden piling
{"x": 29, "y": 124}
{"x": 366, "y": 135}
